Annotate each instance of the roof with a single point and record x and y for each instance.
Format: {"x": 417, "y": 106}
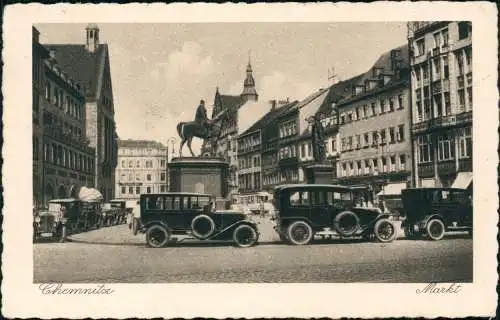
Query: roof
{"x": 139, "y": 144}
{"x": 66, "y": 200}
{"x": 269, "y": 117}
{"x": 384, "y": 63}
{"x": 80, "y": 64}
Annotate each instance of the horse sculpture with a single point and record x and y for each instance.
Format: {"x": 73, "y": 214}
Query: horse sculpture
{"x": 188, "y": 130}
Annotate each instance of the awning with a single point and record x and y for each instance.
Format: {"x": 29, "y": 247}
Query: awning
{"x": 392, "y": 189}
{"x": 463, "y": 180}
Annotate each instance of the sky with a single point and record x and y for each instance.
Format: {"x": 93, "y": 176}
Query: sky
{"x": 161, "y": 71}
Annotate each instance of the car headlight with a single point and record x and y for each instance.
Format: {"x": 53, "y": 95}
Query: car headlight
{"x": 37, "y": 219}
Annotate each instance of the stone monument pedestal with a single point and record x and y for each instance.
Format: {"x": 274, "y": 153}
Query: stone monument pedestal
{"x": 201, "y": 175}
{"x": 319, "y": 173}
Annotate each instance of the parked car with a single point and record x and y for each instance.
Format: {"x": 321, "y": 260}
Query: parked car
{"x": 302, "y": 210}
{"x": 64, "y": 217}
{"x": 192, "y": 214}
{"x": 431, "y": 212}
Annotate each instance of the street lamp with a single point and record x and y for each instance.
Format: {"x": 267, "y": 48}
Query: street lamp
{"x": 172, "y": 141}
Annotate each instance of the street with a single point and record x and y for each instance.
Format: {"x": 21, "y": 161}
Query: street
{"x": 129, "y": 261}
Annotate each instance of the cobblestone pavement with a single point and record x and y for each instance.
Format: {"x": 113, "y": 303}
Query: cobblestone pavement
{"x": 324, "y": 261}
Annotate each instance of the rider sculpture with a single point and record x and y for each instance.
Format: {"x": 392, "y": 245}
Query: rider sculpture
{"x": 201, "y": 127}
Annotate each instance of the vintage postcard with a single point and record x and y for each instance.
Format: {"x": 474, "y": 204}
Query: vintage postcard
{"x": 263, "y": 160}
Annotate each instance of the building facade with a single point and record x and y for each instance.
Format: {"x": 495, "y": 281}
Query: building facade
{"x": 142, "y": 168}
{"x": 89, "y": 64}
{"x": 63, "y": 160}
{"x": 441, "y": 102}
{"x": 374, "y": 129}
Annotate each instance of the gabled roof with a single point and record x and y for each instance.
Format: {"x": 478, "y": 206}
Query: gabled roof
{"x": 80, "y": 64}
{"x": 269, "y": 117}
{"x": 140, "y": 144}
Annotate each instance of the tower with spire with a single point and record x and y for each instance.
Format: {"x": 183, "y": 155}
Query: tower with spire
{"x": 249, "y": 92}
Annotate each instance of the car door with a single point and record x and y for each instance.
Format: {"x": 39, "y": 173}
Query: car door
{"x": 319, "y": 212}
{"x": 463, "y": 207}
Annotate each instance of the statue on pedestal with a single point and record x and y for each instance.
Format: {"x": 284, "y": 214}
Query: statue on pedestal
{"x": 201, "y": 127}
{"x": 318, "y": 139}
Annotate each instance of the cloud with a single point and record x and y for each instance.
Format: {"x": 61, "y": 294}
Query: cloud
{"x": 279, "y": 85}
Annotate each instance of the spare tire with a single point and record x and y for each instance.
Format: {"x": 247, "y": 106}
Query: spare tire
{"x": 202, "y": 226}
{"x": 135, "y": 226}
{"x": 346, "y": 223}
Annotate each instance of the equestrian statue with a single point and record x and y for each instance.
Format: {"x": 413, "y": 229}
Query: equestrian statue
{"x": 201, "y": 127}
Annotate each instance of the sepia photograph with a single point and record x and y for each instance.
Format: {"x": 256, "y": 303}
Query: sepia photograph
{"x": 262, "y": 152}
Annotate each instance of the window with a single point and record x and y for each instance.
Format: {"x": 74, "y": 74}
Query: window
{"x": 163, "y": 163}
{"x": 366, "y": 138}
{"x": 420, "y": 47}
{"x": 365, "y": 111}
{"x": 359, "y": 168}
{"x": 400, "y": 101}
{"x": 384, "y": 164}
{"x": 130, "y": 164}
{"x": 391, "y": 104}
{"x": 148, "y": 177}
{"x": 299, "y": 198}
{"x": 445, "y": 37}
{"x": 358, "y": 141}
{"x": 424, "y": 149}
{"x": 334, "y": 145}
{"x": 447, "y": 103}
{"x": 303, "y": 150}
{"x": 465, "y": 143}
{"x": 131, "y": 190}
{"x": 425, "y": 71}
{"x": 163, "y": 176}
{"x": 374, "y": 138}
{"x": 148, "y": 189}
{"x": 401, "y": 133}
{"x": 373, "y": 107}
{"x": 357, "y": 114}
{"x": 461, "y": 100}
{"x": 469, "y": 96}
{"x": 382, "y": 136}
{"x": 446, "y": 148}
{"x": 137, "y": 190}
{"x": 392, "y": 136}
{"x": 446, "y": 68}
{"x": 382, "y": 106}
{"x": 437, "y": 39}
{"x": 392, "y": 164}
{"x": 138, "y": 164}
{"x": 402, "y": 162}
{"x": 124, "y": 190}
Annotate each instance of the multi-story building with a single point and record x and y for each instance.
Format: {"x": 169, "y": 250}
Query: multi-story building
{"x": 142, "y": 168}
{"x": 441, "y": 102}
{"x": 89, "y": 64}
{"x": 374, "y": 131}
{"x": 250, "y": 153}
{"x": 63, "y": 161}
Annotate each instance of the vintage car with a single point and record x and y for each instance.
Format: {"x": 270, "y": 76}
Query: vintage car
{"x": 194, "y": 215}
{"x": 430, "y": 212}
{"x": 123, "y": 210}
{"x": 303, "y": 210}
{"x": 64, "y": 217}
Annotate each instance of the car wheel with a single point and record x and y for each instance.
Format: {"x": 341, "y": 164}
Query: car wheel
{"x": 299, "y": 233}
{"x": 135, "y": 226}
{"x": 202, "y": 226}
{"x": 157, "y": 236}
{"x": 435, "y": 229}
{"x": 346, "y": 223}
{"x": 384, "y": 230}
{"x": 245, "y": 236}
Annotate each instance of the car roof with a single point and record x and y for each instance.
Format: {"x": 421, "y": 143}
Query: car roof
{"x": 117, "y": 200}
{"x": 64, "y": 200}
{"x": 176, "y": 194}
{"x": 434, "y": 189}
{"x": 312, "y": 186}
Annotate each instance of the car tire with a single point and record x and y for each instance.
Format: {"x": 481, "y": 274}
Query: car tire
{"x": 384, "y": 230}
{"x": 299, "y": 233}
{"x": 157, "y": 236}
{"x": 135, "y": 226}
{"x": 341, "y": 218}
{"x": 245, "y": 236}
{"x": 202, "y": 234}
{"x": 435, "y": 229}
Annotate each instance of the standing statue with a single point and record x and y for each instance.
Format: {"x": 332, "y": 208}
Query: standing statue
{"x": 201, "y": 127}
{"x": 318, "y": 139}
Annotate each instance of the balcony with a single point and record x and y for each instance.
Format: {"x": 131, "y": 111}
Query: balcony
{"x": 461, "y": 43}
{"x": 289, "y": 162}
{"x": 443, "y": 122}
{"x": 436, "y": 87}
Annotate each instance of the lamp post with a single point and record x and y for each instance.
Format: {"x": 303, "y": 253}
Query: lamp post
{"x": 172, "y": 141}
